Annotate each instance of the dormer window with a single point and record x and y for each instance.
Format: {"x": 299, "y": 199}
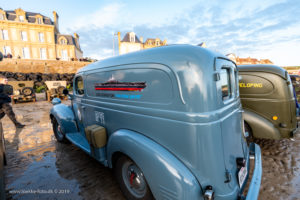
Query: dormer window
{"x": 63, "y": 41}
{"x": 39, "y": 20}
{"x": 21, "y": 18}
{"x": 131, "y": 37}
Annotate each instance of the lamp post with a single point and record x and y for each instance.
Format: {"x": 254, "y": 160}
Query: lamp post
{"x": 114, "y": 43}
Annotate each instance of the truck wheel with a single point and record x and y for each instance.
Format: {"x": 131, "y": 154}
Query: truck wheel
{"x": 59, "y": 135}
{"x": 248, "y": 129}
{"x": 131, "y": 180}
{"x": 27, "y": 91}
{"x": 60, "y": 89}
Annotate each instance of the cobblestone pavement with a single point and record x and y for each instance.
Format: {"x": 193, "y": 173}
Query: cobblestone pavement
{"x": 40, "y": 168}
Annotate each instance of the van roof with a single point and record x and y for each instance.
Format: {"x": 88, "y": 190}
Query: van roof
{"x": 180, "y": 55}
{"x": 274, "y": 69}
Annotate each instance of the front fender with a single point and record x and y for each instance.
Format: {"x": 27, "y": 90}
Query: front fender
{"x": 65, "y": 117}
{"x": 166, "y": 176}
{"x": 260, "y": 126}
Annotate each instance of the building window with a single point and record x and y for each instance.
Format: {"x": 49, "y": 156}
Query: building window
{"x": 43, "y": 53}
{"x": 4, "y": 34}
{"x": 62, "y": 41}
{"x": 21, "y": 18}
{"x": 157, "y": 43}
{"x": 64, "y": 55}
{"x": 23, "y": 36}
{"x": 2, "y": 16}
{"x": 39, "y": 20}
{"x": 132, "y": 38}
{"x": 7, "y": 50}
{"x": 41, "y": 37}
{"x": 26, "y": 54}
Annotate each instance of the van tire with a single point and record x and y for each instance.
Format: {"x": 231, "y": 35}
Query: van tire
{"x": 126, "y": 172}
{"x": 59, "y": 135}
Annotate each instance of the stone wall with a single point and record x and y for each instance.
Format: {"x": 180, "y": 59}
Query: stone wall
{"x": 41, "y": 66}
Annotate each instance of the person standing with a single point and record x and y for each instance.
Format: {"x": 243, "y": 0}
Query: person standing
{"x": 5, "y": 106}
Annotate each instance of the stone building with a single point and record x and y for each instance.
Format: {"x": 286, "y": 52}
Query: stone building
{"x": 246, "y": 61}
{"x": 29, "y": 35}
{"x": 131, "y": 43}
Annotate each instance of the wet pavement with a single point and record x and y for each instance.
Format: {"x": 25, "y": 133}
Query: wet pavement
{"x": 40, "y": 168}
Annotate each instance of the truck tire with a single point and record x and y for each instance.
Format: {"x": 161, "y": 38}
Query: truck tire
{"x": 59, "y": 135}
{"x": 248, "y": 129}
{"x": 131, "y": 180}
{"x": 60, "y": 90}
{"x": 27, "y": 91}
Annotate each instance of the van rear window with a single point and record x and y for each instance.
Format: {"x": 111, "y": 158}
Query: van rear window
{"x": 225, "y": 83}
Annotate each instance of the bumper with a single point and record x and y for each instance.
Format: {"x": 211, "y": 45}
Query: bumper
{"x": 253, "y": 191}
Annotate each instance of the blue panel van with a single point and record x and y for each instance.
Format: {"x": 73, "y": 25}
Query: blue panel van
{"x": 167, "y": 120}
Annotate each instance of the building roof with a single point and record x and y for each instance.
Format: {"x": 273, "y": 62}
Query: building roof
{"x": 127, "y": 38}
{"x": 30, "y": 16}
{"x": 71, "y": 40}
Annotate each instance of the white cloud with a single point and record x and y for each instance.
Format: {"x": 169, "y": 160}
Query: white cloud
{"x": 262, "y": 29}
{"x": 106, "y": 16}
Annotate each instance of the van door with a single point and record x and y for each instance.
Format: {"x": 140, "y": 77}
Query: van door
{"x": 77, "y": 101}
{"x": 231, "y": 122}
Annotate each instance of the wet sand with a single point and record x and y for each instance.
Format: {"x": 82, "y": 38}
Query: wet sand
{"x": 40, "y": 168}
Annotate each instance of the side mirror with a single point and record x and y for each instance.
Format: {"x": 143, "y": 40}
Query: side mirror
{"x": 65, "y": 91}
{"x": 56, "y": 101}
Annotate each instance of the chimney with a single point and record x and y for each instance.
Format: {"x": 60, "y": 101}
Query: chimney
{"x": 76, "y": 36}
{"x": 55, "y": 17}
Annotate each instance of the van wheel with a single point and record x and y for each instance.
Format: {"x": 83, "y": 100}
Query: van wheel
{"x": 248, "y": 129}
{"x": 131, "y": 180}
{"x": 59, "y": 135}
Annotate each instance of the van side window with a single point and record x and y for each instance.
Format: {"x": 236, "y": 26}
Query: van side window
{"x": 225, "y": 84}
{"x": 79, "y": 87}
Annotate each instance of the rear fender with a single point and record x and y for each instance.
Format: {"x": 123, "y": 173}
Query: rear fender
{"x": 260, "y": 126}
{"x": 167, "y": 177}
{"x": 65, "y": 117}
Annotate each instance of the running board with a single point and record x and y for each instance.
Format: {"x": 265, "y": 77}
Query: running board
{"x": 79, "y": 140}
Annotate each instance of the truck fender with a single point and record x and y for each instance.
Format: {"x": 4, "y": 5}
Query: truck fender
{"x": 167, "y": 177}
{"x": 64, "y": 115}
{"x": 260, "y": 126}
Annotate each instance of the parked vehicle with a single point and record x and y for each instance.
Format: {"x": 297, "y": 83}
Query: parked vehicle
{"x": 55, "y": 89}
{"x": 167, "y": 120}
{"x": 268, "y": 101}
{"x": 23, "y": 91}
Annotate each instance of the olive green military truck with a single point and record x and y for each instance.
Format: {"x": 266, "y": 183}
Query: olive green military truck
{"x": 55, "y": 89}
{"x": 268, "y": 101}
{"x": 23, "y": 91}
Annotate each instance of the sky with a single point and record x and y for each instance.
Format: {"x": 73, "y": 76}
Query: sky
{"x": 262, "y": 29}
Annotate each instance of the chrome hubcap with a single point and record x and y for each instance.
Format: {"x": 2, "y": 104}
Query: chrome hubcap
{"x": 134, "y": 179}
{"x": 59, "y": 132}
